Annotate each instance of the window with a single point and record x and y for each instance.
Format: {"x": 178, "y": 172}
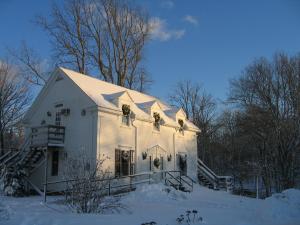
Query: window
{"x": 55, "y": 160}
{"x": 124, "y": 163}
{"x": 58, "y": 114}
{"x": 57, "y": 118}
{"x": 125, "y": 120}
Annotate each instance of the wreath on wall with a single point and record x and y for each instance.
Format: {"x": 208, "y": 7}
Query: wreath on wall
{"x": 156, "y": 117}
{"x": 181, "y": 123}
{"x": 156, "y": 162}
{"x": 125, "y": 155}
{"x": 126, "y": 110}
{"x": 144, "y": 155}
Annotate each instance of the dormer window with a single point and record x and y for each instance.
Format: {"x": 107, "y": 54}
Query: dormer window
{"x": 181, "y": 126}
{"x": 126, "y": 115}
{"x": 157, "y": 119}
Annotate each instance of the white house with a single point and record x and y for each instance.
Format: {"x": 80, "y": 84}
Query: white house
{"x": 75, "y": 113}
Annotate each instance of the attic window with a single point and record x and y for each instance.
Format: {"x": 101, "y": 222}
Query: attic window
{"x": 126, "y": 115}
{"x": 157, "y": 120}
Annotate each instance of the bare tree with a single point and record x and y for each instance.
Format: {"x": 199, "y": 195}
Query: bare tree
{"x": 87, "y": 183}
{"x": 186, "y": 95}
{"x": 107, "y": 36}
{"x": 200, "y": 108}
{"x": 234, "y": 153}
{"x": 14, "y": 98}
{"x": 268, "y": 94}
{"x": 30, "y": 65}
{"x": 140, "y": 81}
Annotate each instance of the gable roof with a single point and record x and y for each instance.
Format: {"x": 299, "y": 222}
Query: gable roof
{"x": 103, "y": 94}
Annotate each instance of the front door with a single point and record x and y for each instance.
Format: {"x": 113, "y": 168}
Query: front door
{"x": 182, "y": 163}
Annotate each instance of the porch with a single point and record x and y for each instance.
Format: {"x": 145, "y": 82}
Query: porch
{"x": 50, "y": 136}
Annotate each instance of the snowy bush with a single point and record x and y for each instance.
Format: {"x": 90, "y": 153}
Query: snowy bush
{"x": 190, "y": 217}
{"x": 87, "y": 185}
{"x": 3, "y": 213}
{"x": 11, "y": 182}
{"x": 149, "y": 223}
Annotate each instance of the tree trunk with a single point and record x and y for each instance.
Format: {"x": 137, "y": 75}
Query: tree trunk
{"x": 2, "y": 143}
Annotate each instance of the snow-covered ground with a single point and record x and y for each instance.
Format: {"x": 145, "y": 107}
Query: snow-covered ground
{"x": 155, "y": 203}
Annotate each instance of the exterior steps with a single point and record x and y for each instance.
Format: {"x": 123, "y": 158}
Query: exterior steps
{"x": 208, "y": 178}
{"x": 18, "y": 165}
{"x": 178, "y": 181}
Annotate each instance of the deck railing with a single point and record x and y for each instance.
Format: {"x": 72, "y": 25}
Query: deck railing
{"x": 49, "y": 135}
{"x": 112, "y": 185}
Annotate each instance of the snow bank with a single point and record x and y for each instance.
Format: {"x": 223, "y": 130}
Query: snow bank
{"x": 284, "y": 207}
{"x": 4, "y": 215}
{"x": 161, "y": 204}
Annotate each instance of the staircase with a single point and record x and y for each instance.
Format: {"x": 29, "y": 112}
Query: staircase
{"x": 21, "y": 163}
{"x": 209, "y": 179}
{"x": 178, "y": 181}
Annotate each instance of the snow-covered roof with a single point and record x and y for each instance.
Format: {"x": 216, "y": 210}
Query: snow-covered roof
{"x": 104, "y": 94}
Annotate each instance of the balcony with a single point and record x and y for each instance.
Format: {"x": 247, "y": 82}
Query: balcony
{"x": 50, "y": 135}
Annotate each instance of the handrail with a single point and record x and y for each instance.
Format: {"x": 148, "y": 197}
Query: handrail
{"x": 207, "y": 173}
{"x": 49, "y": 126}
{"x": 171, "y": 182}
{"x": 105, "y": 179}
{"x": 6, "y": 154}
{"x": 110, "y": 185}
{"x": 215, "y": 179}
{"x": 206, "y": 167}
{"x": 173, "y": 177}
{"x": 190, "y": 184}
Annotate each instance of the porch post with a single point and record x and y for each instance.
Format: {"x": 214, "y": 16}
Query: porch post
{"x": 46, "y": 174}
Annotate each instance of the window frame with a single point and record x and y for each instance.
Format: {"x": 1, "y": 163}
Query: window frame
{"x": 126, "y": 120}
{"x": 119, "y": 165}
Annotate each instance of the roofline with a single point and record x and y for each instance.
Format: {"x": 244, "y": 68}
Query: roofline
{"x": 40, "y": 95}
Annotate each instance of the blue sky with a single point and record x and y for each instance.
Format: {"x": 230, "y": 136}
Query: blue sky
{"x": 207, "y": 41}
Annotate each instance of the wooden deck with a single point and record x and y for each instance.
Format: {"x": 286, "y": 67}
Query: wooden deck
{"x": 50, "y": 135}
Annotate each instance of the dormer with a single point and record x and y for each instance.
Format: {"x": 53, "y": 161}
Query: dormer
{"x": 121, "y": 98}
{"x": 180, "y": 115}
{"x": 150, "y": 107}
